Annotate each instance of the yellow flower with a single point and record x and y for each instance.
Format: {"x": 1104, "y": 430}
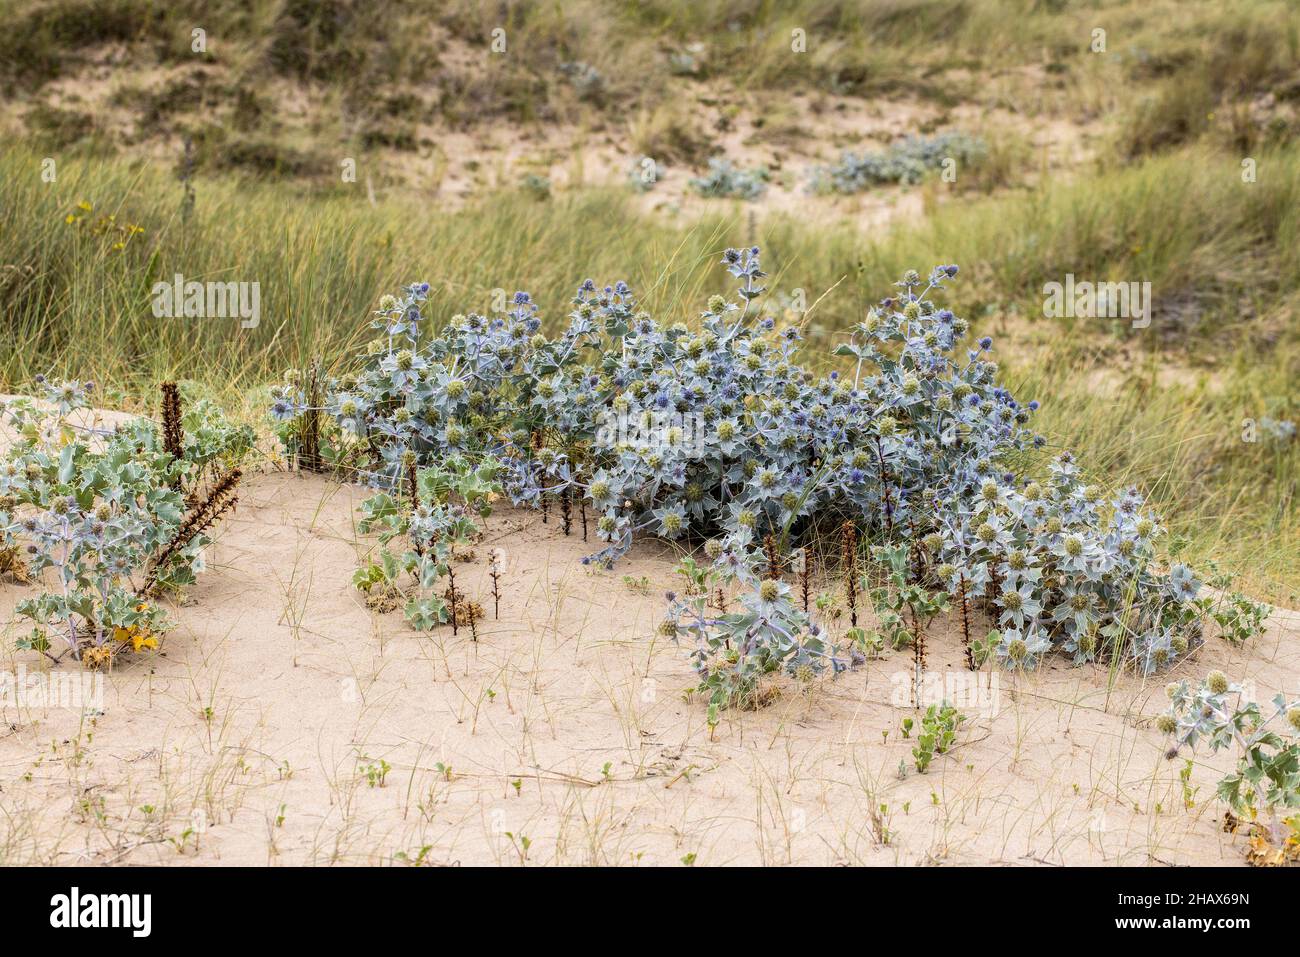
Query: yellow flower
{"x": 85, "y": 205}
{"x": 69, "y": 219}
{"x": 137, "y": 636}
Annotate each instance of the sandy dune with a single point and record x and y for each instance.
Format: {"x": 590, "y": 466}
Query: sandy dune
{"x": 284, "y": 722}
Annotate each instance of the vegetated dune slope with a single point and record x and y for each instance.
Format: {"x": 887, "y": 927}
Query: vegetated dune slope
{"x": 285, "y": 722}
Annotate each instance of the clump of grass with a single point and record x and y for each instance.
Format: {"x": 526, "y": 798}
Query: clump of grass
{"x": 668, "y": 136}
{"x": 1176, "y": 113}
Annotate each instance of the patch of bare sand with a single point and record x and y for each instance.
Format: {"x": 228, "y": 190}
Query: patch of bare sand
{"x": 283, "y": 722}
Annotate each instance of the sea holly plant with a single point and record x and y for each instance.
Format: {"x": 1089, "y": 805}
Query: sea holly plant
{"x": 908, "y": 161}
{"x": 726, "y": 180}
{"x": 418, "y": 533}
{"x": 1264, "y": 789}
{"x": 101, "y": 518}
{"x": 734, "y": 649}
{"x": 714, "y": 430}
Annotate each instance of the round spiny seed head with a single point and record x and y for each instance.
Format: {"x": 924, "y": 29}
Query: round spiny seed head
{"x": 1166, "y": 724}
{"x": 769, "y": 590}
{"x": 1217, "y": 682}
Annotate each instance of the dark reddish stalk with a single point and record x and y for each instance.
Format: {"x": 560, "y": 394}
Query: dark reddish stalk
{"x": 773, "y": 559}
{"x": 850, "y": 555}
{"x": 805, "y": 577}
{"x": 451, "y": 596}
{"x": 965, "y": 624}
{"x": 221, "y": 498}
{"x": 173, "y": 432}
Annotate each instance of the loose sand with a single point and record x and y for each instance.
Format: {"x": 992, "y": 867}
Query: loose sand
{"x": 261, "y": 731}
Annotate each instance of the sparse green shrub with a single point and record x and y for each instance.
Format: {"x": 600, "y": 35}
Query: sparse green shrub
{"x": 1264, "y": 789}
{"x": 428, "y": 524}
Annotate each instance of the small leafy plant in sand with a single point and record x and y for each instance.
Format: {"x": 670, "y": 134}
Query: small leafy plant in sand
{"x": 937, "y": 735}
{"x": 418, "y": 534}
{"x": 1263, "y": 791}
{"x": 904, "y": 607}
{"x": 100, "y": 515}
